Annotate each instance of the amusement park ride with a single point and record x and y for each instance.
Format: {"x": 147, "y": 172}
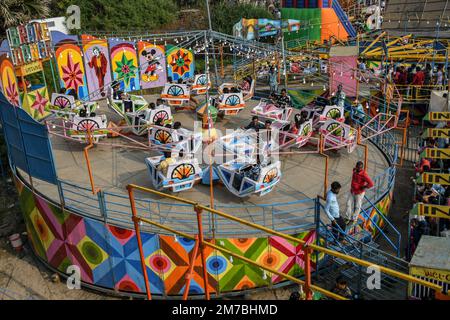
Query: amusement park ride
{"x": 179, "y": 155}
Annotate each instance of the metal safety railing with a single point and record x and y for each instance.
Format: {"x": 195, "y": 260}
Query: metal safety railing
{"x": 202, "y": 243}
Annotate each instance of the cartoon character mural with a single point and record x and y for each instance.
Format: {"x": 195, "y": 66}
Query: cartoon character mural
{"x": 98, "y": 71}
{"x": 70, "y": 65}
{"x": 9, "y": 81}
{"x": 152, "y": 62}
{"x": 180, "y": 63}
{"x": 124, "y": 64}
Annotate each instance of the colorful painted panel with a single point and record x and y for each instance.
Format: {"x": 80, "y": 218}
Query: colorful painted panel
{"x": 124, "y": 64}
{"x": 70, "y": 66}
{"x": 173, "y": 263}
{"x": 36, "y": 103}
{"x": 180, "y": 63}
{"x": 108, "y": 256}
{"x": 97, "y": 65}
{"x": 9, "y": 81}
{"x": 152, "y": 65}
{"x": 375, "y": 218}
{"x": 342, "y": 72}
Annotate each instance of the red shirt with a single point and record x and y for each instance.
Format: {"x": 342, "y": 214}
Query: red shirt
{"x": 360, "y": 182}
{"x": 419, "y": 78}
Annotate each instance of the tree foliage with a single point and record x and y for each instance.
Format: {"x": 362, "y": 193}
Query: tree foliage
{"x": 15, "y": 12}
{"x": 224, "y": 15}
{"x": 129, "y": 15}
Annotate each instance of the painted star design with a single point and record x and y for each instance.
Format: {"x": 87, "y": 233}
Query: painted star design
{"x": 40, "y": 103}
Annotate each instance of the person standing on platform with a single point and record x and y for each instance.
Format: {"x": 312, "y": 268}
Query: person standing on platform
{"x": 273, "y": 80}
{"x": 360, "y": 183}
{"x": 332, "y": 211}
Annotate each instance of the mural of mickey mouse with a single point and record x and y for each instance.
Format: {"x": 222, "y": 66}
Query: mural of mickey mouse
{"x": 152, "y": 65}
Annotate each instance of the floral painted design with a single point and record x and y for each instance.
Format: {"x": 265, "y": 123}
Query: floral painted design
{"x": 39, "y": 103}
{"x": 72, "y": 74}
{"x": 180, "y": 62}
{"x": 125, "y": 69}
{"x": 11, "y": 92}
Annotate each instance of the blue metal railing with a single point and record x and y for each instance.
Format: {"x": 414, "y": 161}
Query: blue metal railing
{"x": 393, "y": 228}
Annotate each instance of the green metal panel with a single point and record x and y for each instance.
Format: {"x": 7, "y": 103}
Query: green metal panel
{"x": 310, "y": 18}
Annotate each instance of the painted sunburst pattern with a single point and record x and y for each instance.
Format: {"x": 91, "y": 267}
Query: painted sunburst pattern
{"x": 125, "y": 69}
{"x": 180, "y": 62}
{"x": 11, "y": 92}
{"x": 39, "y": 103}
{"x": 72, "y": 74}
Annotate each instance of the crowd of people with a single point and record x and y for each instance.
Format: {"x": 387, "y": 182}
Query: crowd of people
{"x": 434, "y": 194}
{"x": 415, "y": 80}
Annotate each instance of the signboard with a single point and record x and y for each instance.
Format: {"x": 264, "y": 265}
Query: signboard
{"x": 435, "y": 178}
{"x": 436, "y": 133}
{"x": 431, "y": 210}
{"x": 438, "y": 116}
{"x": 29, "y": 43}
{"x": 435, "y": 274}
{"x": 29, "y": 68}
{"x": 436, "y": 153}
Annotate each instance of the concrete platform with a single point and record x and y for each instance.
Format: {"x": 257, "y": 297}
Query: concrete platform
{"x": 115, "y": 167}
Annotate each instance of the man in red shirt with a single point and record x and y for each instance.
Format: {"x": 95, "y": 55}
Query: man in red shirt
{"x": 419, "y": 77}
{"x": 360, "y": 183}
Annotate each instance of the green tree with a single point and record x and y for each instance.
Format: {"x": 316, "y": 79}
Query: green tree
{"x": 224, "y": 16}
{"x": 130, "y": 15}
{"x": 15, "y": 12}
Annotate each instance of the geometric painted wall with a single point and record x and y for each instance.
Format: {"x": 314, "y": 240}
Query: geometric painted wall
{"x": 108, "y": 255}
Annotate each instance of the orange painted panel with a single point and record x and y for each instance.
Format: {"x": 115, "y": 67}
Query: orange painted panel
{"x": 331, "y": 26}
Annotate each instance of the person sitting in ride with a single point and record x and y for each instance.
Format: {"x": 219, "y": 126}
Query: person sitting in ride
{"x": 178, "y": 129}
{"x": 254, "y": 124}
{"x": 284, "y": 100}
{"x": 357, "y": 112}
{"x": 224, "y": 92}
{"x": 159, "y": 103}
{"x": 127, "y": 103}
{"x": 299, "y": 119}
{"x": 163, "y": 166}
{"x": 246, "y": 84}
{"x": 147, "y": 112}
{"x": 117, "y": 93}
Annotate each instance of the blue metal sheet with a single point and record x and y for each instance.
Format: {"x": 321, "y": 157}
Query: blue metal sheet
{"x": 28, "y": 142}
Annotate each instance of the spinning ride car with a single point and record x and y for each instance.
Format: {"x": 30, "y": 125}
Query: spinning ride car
{"x": 338, "y": 135}
{"x": 247, "y": 94}
{"x": 176, "y": 94}
{"x": 252, "y": 170}
{"x": 231, "y": 103}
{"x": 131, "y": 103}
{"x": 243, "y": 178}
{"x": 177, "y": 173}
{"x": 80, "y": 126}
{"x": 201, "y": 84}
{"x": 141, "y": 120}
{"x": 176, "y": 139}
{"x": 63, "y": 105}
{"x": 288, "y": 139}
{"x": 320, "y": 114}
{"x": 268, "y": 110}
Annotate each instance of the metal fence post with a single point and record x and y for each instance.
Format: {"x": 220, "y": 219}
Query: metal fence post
{"x": 317, "y": 222}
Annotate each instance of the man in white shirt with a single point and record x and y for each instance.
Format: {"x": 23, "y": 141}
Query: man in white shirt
{"x": 332, "y": 211}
